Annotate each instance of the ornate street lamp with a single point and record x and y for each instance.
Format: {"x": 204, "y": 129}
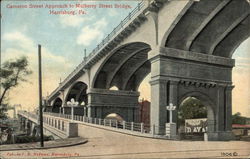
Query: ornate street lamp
{"x": 170, "y": 108}
{"x": 171, "y": 127}
{"x": 72, "y": 103}
{"x": 84, "y": 107}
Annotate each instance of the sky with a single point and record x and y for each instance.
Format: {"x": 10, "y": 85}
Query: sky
{"x": 64, "y": 38}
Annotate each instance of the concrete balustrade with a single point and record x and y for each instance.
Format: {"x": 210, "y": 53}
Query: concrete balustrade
{"x": 64, "y": 124}
{"x": 55, "y": 124}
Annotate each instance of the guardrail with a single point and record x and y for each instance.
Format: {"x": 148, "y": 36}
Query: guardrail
{"x": 105, "y": 41}
{"x": 63, "y": 127}
{"x": 131, "y": 126}
{"x": 64, "y": 123}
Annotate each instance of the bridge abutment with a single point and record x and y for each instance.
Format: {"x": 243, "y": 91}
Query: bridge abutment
{"x": 103, "y": 102}
{"x": 178, "y": 74}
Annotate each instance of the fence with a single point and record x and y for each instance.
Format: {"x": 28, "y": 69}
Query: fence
{"x": 56, "y": 123}
{"x": 62, "y": 123}
{"x": 131, "y": 126}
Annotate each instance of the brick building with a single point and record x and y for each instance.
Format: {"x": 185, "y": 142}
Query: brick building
{"x": 144, "y": 112}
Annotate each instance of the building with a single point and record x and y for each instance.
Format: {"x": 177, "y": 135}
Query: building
{"x": 241, "y": 130}
{"x": 144, "y": 112}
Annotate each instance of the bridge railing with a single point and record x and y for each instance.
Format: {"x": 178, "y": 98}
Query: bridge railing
{"x": 57, "y": 123}
{"x": 63, "y": 122}
{"x": 119, "y": 125}
{"x": 28, "y": 114}
{"x": 104, "y": 42}
{"x": 54, "y": 122}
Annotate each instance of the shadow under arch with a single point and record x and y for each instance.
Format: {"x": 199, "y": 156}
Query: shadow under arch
{"x": 207, "y": 102}
{"x": 57, "y": 105}
{"x": 120, "y": 65}
{"x": 78, "y": 91}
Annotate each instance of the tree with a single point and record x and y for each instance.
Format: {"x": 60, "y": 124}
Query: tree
{"x": 12, "y": 73}
{"x": 191, "y": 108}
{"x": 238, "y": 119}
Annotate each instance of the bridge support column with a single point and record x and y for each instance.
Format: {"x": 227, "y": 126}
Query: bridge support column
{"x": 173, "y": 94}
{"x": 158, "y": 106}
{"x": 178, "y": 74}
{"x": 22, "y": 123}
{"x": 163, "y": 93}
{"x": 223, "y": 114}
{"x": 228, "y": 103}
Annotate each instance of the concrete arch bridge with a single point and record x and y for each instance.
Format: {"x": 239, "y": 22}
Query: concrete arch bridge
{"x": 187, "y": 46}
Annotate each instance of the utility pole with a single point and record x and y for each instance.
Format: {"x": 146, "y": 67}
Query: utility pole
{"x": 40, "y": 95}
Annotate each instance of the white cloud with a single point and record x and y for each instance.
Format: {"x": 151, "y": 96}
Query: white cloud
{"x": 73, "y": 20}
{"x": 29, "y": 49}
{"x": 91, "y": 33}
{"x": 243, "y": 62}
{"x": 21, "y": 40}
{"x": 54, "y": 67}
{"x": 113, "y": 12}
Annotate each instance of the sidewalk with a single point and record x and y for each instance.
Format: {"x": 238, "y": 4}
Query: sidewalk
{"x": 47, "y": 144}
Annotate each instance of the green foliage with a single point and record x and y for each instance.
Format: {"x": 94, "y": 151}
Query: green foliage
{"x": 27, "y": 139}
{"x": 3, "y": 112}
{"x": 12, "y": 72}
{"x": 238, "y": 119}
{"x": 191, "y": 108}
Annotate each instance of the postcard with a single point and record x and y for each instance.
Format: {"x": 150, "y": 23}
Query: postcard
{"x": 125, "y": 79}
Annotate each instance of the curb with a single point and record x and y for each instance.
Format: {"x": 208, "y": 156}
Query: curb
{"x": 48, "y": 147}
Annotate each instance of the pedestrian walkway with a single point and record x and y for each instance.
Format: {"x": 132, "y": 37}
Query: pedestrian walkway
{"x": 47, "y": 144}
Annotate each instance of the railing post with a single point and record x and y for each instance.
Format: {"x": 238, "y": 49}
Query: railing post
{"x": 123, "y": 124}
{"x": 100, "y": 121}
{"x": 121, "y": 24}
{"x": 110, "y": 123}
{"x": 72, "y": 113}
{"x": 153, "y": 129}
{"x": 104, "y": 122}
{"x": 116, "y": 124}
{"x": 95, "y": 120}
{"x": 142, "y": 128}
{"x": 132, "y": 126}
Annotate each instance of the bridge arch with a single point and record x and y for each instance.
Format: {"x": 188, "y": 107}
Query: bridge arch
{"x": 195, "y": 30}
{"x": 124, "y": 67}
{"x": 114, "y": 88}
{"x": 206, "y": 101}
{"x": 57, "y": 105}
{"x": 114, "y": 116}
{"x": 78, "y": 91}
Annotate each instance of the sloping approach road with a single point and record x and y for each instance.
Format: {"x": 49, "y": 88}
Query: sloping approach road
{"x": 115, "y": 145}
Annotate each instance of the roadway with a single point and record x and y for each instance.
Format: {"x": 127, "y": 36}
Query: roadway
{"x": 117, "y": 145}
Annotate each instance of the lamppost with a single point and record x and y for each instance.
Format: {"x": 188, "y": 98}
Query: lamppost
{"x": 72, "y": 103}
{"x": 170, "y": 108}
{"x": 84, "y": 108}
{"x": 171, "y": 127}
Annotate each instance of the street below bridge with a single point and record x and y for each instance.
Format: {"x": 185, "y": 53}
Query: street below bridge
{"x": 117, "y": 145}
